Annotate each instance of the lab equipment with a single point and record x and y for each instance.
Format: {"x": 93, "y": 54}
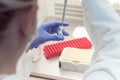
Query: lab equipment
{"x": 55, "y": 50}
{"x": 63, "y": 18}
{"x": 73, "y": 59}
{"x": 47, "y": 32}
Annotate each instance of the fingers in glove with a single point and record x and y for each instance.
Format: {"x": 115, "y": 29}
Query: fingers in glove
{"x": 58, "y": 23}
{"x": 56, "y": 37}
{"x": 65, "y": 33}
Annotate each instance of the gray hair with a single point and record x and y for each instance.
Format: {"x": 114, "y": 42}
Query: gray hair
{"x": 7, "y": 5}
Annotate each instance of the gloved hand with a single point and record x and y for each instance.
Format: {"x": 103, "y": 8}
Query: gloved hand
{"x": 49, "y": 32}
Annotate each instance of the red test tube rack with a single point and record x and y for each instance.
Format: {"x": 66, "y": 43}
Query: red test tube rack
{"x": 55, "y": 50}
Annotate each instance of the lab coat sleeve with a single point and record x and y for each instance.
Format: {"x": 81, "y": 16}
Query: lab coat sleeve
{"x": 103, "y": 26}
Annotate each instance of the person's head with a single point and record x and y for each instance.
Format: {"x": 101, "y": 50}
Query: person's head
{"x": 17, "y": 24}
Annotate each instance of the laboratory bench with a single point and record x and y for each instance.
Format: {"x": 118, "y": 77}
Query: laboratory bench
{"x": 44, "y": 68}
{"x": 48, "y": 69}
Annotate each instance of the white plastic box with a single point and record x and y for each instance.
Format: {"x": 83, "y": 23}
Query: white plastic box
{"x": 73, "y": 59}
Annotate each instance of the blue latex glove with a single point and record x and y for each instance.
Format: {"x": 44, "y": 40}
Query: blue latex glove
{"x": 48, "y": 32}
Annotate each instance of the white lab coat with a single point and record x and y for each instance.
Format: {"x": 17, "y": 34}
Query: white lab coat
{"x": 103, "y": 26}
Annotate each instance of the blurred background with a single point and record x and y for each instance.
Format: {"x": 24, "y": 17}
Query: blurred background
{"x": 50, "y": 10}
